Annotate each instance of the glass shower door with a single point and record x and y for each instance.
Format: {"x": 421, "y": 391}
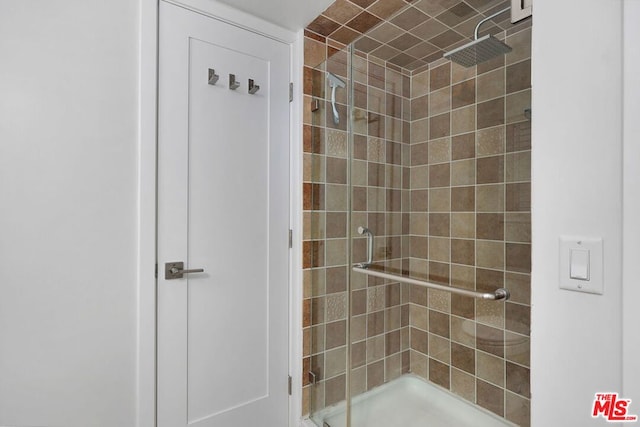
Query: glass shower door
{"x": 326, "y": 240}
{"x": 431, "y": 166}
{"x": 380, "y": 220}
{"x": 440, "y": 180}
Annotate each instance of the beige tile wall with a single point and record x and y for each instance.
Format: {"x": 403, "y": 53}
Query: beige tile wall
{"x": 470, "y": 227}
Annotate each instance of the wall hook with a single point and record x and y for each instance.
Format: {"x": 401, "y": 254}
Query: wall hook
{"x": 233, "y": 84}
{"x": 213, "y": 77}
{"x": 253, "y": 88}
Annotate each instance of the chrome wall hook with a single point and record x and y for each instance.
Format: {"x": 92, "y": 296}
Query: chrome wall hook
{"x": 233, "y": 84}
{"x": 213, "y": 77}
{"x": 253, "y": 88}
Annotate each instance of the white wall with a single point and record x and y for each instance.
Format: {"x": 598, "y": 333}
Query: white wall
{"x": 577, "y": 190}
{"x": 631, "y": 293}
{"x": 298, "y": 13}
{"x": 67, "y": 219}
{"x": 68, "y": 160}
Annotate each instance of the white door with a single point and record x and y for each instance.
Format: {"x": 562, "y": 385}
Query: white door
{"x": 223, "y": 203}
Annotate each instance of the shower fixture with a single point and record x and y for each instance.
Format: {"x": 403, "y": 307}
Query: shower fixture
{"x": 334, "y": 83}
{"x": 480, "y": 49}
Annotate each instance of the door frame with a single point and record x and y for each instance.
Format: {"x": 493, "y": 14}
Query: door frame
{"x": 146, "y": 367}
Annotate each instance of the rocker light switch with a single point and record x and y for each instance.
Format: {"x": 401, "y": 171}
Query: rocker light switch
{"x": 581, "y": 263}
{"x": 579, "y": 268}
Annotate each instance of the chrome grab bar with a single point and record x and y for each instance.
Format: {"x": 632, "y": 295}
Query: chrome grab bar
{"x": 365, "y": 230}
{"x": 497, "y": 295}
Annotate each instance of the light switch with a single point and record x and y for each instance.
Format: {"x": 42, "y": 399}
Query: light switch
{"x": 581, "y": 261}
{"x": 579, "y": 268}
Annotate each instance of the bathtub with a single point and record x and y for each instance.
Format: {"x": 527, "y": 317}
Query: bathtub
{"x": 408, "y": 401}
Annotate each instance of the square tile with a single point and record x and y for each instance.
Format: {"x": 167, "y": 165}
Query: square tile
{"x": 456, "y": 14}
{"x": 323, "y": 25}
{"x": 363, "y": 22}
{"x": 446, "y": 39}
{"x": 409, "y": 19}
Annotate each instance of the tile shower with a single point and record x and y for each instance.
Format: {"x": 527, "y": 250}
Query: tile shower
{"x": 434, "y": 158}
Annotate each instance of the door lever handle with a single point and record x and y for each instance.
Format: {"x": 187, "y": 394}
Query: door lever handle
{"x": 175, "y": 270}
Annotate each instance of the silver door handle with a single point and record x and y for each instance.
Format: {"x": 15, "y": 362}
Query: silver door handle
{"x": 175, "y": 270}
{"x": 369, "y": 234}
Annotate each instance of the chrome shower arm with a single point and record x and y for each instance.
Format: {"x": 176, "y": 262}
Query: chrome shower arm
{"x": 475, "y": 32}
{"x": 336, "y": 116}
{"x": 334, "y": 83}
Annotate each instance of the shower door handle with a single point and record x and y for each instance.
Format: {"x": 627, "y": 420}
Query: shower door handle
{"x": 175, "y": 270}
{"x": 369, "y": 234}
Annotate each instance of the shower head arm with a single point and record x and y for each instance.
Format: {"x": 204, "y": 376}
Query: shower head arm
{"x": 475, "y": 32}
{"x": 334, "y": 83}
{"x": 336, "y": 115}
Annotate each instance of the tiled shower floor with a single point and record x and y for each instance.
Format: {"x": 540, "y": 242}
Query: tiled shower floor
{"x": 409, "y": 401}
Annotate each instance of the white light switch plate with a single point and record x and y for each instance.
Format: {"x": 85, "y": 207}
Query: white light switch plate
{"x": 581, "y": 246}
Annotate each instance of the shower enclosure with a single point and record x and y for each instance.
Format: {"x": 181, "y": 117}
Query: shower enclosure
{"x": 416, "y": 215}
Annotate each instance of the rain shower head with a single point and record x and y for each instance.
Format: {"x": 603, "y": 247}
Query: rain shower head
{"x": 481, "y": 48}
{"x": 478, "y": 51}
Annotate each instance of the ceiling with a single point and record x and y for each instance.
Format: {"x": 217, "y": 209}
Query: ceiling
{"x": 410, "y": 33}
{"x": 290, "y": 14}
{"x": 407, "y": 33}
